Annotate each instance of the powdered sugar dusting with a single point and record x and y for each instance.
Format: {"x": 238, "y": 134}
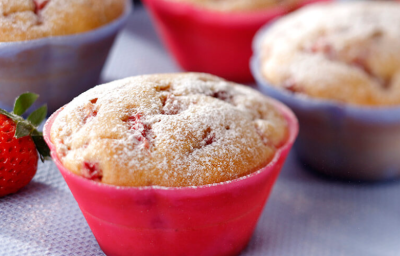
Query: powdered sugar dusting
{"x": 344, "y": 51}
{"x": 168, "y": 130}
{"x": 31, "y": 19}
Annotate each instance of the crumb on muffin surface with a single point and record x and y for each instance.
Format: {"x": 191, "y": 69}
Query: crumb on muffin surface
{"x": 237, "y": 5}
{"x": 169, "y": 130}
{"x": 347, "y": 52}
{"x": 22, "y": 20}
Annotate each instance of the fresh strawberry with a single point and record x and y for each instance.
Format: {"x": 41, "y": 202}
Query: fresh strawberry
{"x": 19, "y": 142}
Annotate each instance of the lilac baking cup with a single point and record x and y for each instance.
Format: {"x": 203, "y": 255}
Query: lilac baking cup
{"x": 339, "y": 140}
{"x": 57, "y": 68}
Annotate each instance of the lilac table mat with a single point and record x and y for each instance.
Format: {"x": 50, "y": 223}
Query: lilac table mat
{"x": 305, "y": 216}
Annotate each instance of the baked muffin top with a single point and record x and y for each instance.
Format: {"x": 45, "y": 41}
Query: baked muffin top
{"x": 170, "y": 130}
{"x": 237, "y": 5}
{"x": 343, "y": 51}
{"x": 22, "y": 20}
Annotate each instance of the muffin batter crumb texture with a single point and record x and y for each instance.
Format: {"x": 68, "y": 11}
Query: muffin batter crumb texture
{"x": 169, "y": 130}
{"x": 22, "y": 20}
{"x": 238, "y": 5}
{"x": 347, "y": 52}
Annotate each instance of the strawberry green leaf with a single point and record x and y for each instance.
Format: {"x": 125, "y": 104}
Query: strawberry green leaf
{"x": 23, "y": 102}
{"x": 23, "y": 129}
{"x": 29, "y": 126}
{"x": 37, "y": 116}
{"x": 41, "y": 146}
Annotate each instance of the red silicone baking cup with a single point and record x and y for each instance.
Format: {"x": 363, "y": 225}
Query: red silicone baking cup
{"x": 216, "y": 219}
{"x": 209, "y": 41}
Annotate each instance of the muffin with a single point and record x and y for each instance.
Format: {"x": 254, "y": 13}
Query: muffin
{"x": 336, "y": 65}
{"x": 346, "y": 52}
{"x": 157, "y": 161}
{"x": 237, "y": 5}
{"x": 32, "y": 19}
{"x": 55, "y": 48}
{"x": 171, "y": 130}
{"x": 215, "y": 36}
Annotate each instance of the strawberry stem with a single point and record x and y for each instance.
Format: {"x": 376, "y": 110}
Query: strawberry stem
{"x": 29, "y": 127}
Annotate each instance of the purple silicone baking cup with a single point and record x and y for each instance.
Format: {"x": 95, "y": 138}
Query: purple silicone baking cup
{"x": 335, "y": 139}
{"x": 57, "y": 68}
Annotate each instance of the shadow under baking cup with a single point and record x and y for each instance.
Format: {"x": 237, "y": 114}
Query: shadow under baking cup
{"x": 339, "y": 140}
{"x": 209, "y": 41}
{"x": 57, "y": 68}
{"x": 208, "y": 220}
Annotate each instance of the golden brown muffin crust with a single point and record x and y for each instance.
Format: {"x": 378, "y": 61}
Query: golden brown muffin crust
{"x": 348, "y": 52}
{"x": 22, "y": 20}
{"x": 238, "y": 5}
{"x": 170, "y": 130}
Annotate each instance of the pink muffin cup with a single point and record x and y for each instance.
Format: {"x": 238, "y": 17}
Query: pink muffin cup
{"x": 209, "y": 41}
{"x": 216, "y": 219}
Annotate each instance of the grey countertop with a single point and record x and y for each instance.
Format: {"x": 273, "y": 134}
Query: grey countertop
{"x": 305, "y": 216}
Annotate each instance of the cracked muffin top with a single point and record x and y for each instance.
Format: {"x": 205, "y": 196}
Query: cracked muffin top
{"x": 22, "y": 20}
{"x": 169, "y": 130}
{"x": 347, "y": 52}
{"x": 237, "y": 5}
